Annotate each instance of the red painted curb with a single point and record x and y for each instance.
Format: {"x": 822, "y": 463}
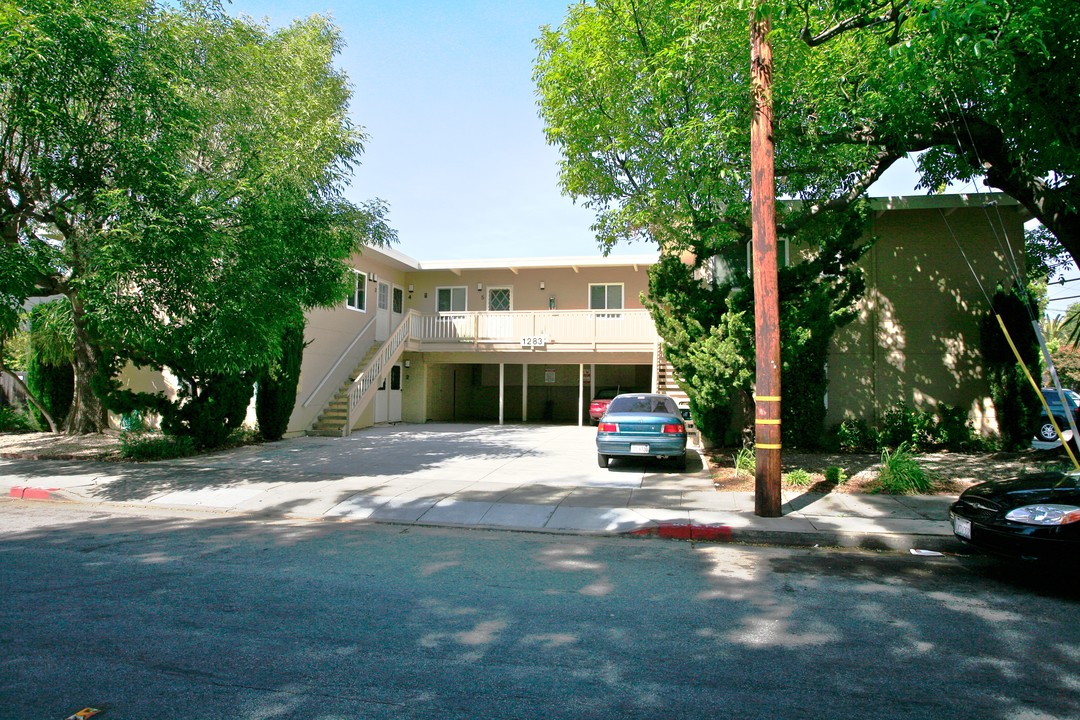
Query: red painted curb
{"x": 26, "y": 493}
{"x": 715, "y": 533}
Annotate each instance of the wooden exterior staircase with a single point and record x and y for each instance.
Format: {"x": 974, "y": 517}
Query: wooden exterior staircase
{"x": 667, "y": 383}
{"x": 335, "y": 416}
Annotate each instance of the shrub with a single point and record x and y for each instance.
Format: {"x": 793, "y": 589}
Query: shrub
{"x": 856, "y": 436}
{"x": 276, "y": 393}
{"x": 15, "y": 421}
{"x": 799, "y": 478}
{"x": 955, "y": 432}
{"x": 53, "y": 386}
{"x": 209, "y": 417}
{"x": 835, "y": 475}
{"x": 901, "y": 473}
{"x": 143, "y": 446}
{"x": 1016, "y": 403}
{"x": 745, "y": 460}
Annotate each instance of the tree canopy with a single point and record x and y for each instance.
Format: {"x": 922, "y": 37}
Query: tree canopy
{"x": 649, "y": 103}
{"x": 179, "y": 175}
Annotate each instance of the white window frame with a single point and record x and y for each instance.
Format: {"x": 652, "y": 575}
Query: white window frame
{"x": 351, "y": 300}
{"x": 451, "y": 288}
{"x": 510, "y": 292}
{"x": 622, "y": 295}
{"x": 783, "y": 255}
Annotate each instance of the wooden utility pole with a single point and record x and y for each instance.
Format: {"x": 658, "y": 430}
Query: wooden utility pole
{"x": 767, "y": 500}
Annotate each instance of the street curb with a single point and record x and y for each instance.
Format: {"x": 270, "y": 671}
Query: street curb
{"x": 33, "y": 493}
{"x": 892, "y": 542}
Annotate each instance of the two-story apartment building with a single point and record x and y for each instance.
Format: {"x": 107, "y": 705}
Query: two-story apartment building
{"x": 477, "y": 340}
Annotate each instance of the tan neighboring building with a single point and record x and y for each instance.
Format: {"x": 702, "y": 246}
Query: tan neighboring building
{"x": 930, "y": 276}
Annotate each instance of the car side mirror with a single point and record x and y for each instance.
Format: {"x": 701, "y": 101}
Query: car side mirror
{"x": 686, "y": 414}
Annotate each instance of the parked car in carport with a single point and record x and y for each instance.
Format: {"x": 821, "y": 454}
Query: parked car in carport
{"x": 599, "y": 404}
{"x": 642, "y": 425}
{"x": 1045, "y": 435}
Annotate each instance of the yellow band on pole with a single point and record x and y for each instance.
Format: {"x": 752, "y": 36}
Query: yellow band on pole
{"x": 767, "y": 422}
{"x": 767, "y": 398}
{"x": 1038, "y": 391}
{"x": 767, "y": 446}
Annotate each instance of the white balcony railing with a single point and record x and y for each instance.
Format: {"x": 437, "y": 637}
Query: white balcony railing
{"x": 558, "y": 327}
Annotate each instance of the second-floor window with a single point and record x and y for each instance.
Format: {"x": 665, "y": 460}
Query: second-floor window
{"x": 399, "y": 301}
{"x": 606, "y": 297}
{"x": 357, "y": 298}
{"x": 450, "y": 299}
{"x": 499, "y": 299}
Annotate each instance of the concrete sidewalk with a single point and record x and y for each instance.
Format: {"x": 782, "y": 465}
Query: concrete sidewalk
{"x": 515, "y": 478}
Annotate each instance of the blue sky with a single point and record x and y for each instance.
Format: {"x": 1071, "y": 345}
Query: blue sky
{"x": 444, "y": 91}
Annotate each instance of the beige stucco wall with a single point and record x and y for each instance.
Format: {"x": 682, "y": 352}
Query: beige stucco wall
{"x": 917, "y": 335}
{"x": 568, "y": 287}
{"x": 330, "y": 331}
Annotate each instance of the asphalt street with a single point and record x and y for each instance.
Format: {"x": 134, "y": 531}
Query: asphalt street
{"x": 163, "y": 614}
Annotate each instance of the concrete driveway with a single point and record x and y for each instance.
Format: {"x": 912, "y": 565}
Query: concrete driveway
{"x": 560, "y": 455}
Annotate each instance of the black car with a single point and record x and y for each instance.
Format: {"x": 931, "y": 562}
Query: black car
{"x": 1034, "y": 516}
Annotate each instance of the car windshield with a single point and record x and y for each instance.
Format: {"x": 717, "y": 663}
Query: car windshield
{"x": 642, "y": 404}
{"x": 606, "y": 394}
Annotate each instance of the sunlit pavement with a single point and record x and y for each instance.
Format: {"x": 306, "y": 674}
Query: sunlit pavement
{"x": 521, "y": 477}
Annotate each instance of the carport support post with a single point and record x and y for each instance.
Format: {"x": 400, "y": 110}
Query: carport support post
{"x": 502, "y": 392}
{"x": 767, "y": 500}
{"x": 581, "y": 395}
{"x": 524, "y": 391}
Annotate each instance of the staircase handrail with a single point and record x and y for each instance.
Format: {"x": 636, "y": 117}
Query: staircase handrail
{"x": 372, "y": 372}
{"x": 337, "y": 363}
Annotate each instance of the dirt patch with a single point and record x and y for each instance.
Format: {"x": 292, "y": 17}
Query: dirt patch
{"x": 57, "y": 446}
{"x": 951, "y": 472}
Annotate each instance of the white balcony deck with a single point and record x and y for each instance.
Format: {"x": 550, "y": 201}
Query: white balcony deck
{"x": 550, "y": 330}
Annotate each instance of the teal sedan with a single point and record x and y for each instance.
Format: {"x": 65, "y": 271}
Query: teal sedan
{"x": 642, "y": 425}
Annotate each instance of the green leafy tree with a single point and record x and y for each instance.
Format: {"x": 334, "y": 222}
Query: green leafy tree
{"x": 86, "y": 104}
{"x": 177, "y": 174}
{"x": 649, "y": 104}
{"x": 978, "y": 87}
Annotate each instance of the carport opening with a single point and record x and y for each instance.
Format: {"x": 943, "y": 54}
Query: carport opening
{"x": 469, "y": 392}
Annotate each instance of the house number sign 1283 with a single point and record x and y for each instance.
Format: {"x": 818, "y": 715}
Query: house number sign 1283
{"x": 533, "y": 341}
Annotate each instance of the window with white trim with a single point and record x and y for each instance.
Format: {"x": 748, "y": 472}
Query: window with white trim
{"x": 450, "y": 299}
{"x": 499, "y": 299}
{"x": 357, "y": 297}
{"x": 728, "y": 270}
{"x": 606, "y": 297}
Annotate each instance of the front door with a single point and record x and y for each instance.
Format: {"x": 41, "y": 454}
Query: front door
{"x": 388, "y": 398}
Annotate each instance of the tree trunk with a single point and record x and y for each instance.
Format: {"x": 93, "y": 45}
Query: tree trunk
{"x": 88, "y": 414}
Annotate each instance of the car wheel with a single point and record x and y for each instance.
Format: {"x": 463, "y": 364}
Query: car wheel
{"x": 602, "y": 460}
{"x": 1047, "y": 432}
